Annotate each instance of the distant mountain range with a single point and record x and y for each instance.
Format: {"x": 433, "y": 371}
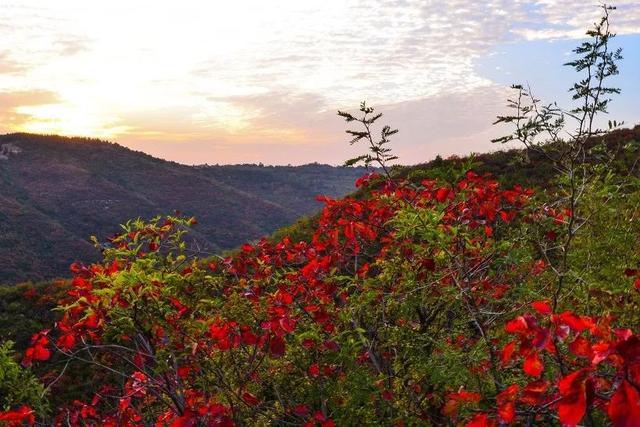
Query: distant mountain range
{"x": 55, "y": 192}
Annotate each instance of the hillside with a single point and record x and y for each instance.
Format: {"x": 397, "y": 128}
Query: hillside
{"x": 26, "y": 308}
{"x": 376, "y": 286}
{"x": 55, "y": 192}
{"x": 509, "y": 167}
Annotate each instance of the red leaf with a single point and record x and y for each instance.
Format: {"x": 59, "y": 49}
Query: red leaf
{"x": 466, "y": 396}
{"x": 601, "y": 351}
{"x": 574, "y": 321}
{"x": 429, "y": 264}
{"x": 506, "y": 403}
{"x": 308, "y": 343}
{"x": 480, "y": 420}
{"x": 509, "y": 393}
{"x": 573, "y": 391}
{"x": 27, "y": 360}
{"x": 624, "y": 407}
{"x": 41, "y": 353}
{"x": 277, "y": 346}
{"x": 533, "y": 365}
{"x": 250, "y": 399}
{"x": 629, "y": 349}
{"x": 113, "y": 268}
{"x": 538, "y": 267}
{"x": 183, "y": 371}
{"x": 441, "y": 194}
{"x": 581, "y": 347}
{"x": 66, "y": 342}
{"x": 91, "y": 321}
{"x": 629, "y": 272}
{"x": 319, "y": 416}
{"x": 517, "y": 325}
{"x": 507, "y": 352}
{"x": 541, "y": 307}
{"x": 314, "y": 370}
{"x": 533, "y": 392}
{"x": 454, "y": 399}
{"x": 19, "y": 417}
{"x": 287, "y": 324}
{"x": 284, "y": 297}
{"x": 301, "y": 410}
{"x": 507, "y": 412}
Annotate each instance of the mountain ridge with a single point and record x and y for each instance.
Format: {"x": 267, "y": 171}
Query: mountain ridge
{"x": 58, "y": 191}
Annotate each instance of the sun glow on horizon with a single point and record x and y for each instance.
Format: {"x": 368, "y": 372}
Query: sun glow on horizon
{"x": 69, "y": 120}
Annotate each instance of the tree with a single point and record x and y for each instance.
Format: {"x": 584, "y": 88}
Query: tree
{"x": 579, "y": 154}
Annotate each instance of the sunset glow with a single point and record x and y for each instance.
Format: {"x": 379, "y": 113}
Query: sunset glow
{"x": 261, "y": 81}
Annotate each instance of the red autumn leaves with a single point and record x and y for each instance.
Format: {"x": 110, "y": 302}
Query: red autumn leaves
{"x": 624, "y": 406}
{"x": 289, "y": 303}
{"x": 595, "y": 349}
{"x": 574, "y": 389}
{"x": 39, "y": 349}
{"x": 18, "y": 417}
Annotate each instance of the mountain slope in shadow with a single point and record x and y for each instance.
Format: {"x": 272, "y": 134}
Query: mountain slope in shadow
{"x": 55, "y": 192}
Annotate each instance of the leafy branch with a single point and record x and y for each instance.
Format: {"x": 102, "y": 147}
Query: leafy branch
{"x": 380, "y": 153}
{"x": 577, "y": 151}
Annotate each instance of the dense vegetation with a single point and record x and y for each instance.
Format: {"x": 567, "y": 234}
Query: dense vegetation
{"x": 56, "y": 192}
{"x": 437, "y": 295}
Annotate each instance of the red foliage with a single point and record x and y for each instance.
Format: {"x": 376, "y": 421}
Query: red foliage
{"x": 38, "y": 350}
{"x": 19, "y": 417}
{"x": 573, "y": 397}
{"x": 624, "y": 407}
{"x": 567, "y": 364}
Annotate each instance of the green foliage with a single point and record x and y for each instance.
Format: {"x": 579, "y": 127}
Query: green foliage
{"x": 608, "y": 245}
{"x": 18, "y": 386}
{"x": 26, "y": 309}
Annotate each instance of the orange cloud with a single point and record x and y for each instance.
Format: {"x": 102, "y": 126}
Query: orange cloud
{"x": 11, "y": 102}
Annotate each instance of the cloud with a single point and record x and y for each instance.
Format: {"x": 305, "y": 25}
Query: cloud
{"x": 395, "y": 50}
{"x": 8, "y": 65}
{"x": 445, "y": 124}
{"x": 568, "y": 19}
{"x": 448, "y": 124}
{"x": 71, "y": 45}
{"x": 11, "y": 115}
{"x": 27, "y": 97}
{"x": 282, "y": 114}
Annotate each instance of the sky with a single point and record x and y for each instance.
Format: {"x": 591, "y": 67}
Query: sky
{"x": 251, "y": 81}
